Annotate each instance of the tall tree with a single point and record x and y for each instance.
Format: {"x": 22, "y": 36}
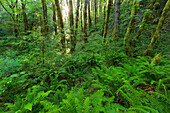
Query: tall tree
{"x": 104, "y": 15}
{"x": 12, "y": 12}
{"x": 77, "y": 22}
{"x": 85, "y": 21}
{"x": 54, "y": 18}
{"x": 116, "y": 18}
{"x": 131, "y": 27}
{"x": 77, "y": 17}
{"x": 72, "y": 37}
{"x": 44, "y": 7}
{"x": 61, "y": 24}
{"x": 144, "y": 20}
{"x": 95, "y": 12}
{"x": 81, "y": 15}
{"x": 0, "y": 8}
{"x": 89, "y": 16}
{"x": 158, "y": 29}
{"x": 25, "y": 20}
{"x": 107, "y": 20}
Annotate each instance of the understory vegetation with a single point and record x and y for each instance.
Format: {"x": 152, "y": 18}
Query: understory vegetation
{"x": 97, "y": 77}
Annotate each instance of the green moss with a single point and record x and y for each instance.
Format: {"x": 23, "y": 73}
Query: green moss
{"x": 158, "y": 29}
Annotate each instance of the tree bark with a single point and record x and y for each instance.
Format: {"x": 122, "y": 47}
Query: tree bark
{"x": 61, "y": 24}
{"x": 158, "y": 29}
{"x": 77, "y": 17}
{"x": 44, "y": 7}
{"x": 81, "y": 15}
{"x": 144, "y": 20}
{"x": 54, "y": 18}
{"x": 116, "y": 20}
{"x": 89, "y": 15}
{"x": 95, "y": 12}
{"x": 71, "y": 22}
{"x": 77, "y": 22}
{"x": 85, "y": 21}
{"x": 12, "y": 14}
{"x": 25, "y": 20}
{"x": 107, "y": 20}
{"x": 104, "y": 15}
{"x": 130, "y": 27}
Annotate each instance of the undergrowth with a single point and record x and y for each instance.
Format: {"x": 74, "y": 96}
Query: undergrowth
{"x": 85, "y": 82}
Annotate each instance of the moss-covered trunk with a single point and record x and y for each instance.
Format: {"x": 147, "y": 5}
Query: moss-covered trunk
{"x": 25, "y": 20}
{"x": 144, "y": 20}
{"x": 61, "y": 24}
{"x": 85, "y": 21}
{"x": 107, "y": 20}
{"x": 71, "y": 22}
{"x": 158, "y": 29}
{"x": 54, "y": 18}
{"x": 89, "y": 15}
{"x": 131, "y": 27}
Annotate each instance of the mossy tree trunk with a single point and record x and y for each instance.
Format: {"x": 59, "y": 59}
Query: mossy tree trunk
{"x": 144, "y": 20}
{"x": 81, "y": 15}
{"x": 44, "y": 7}
{"x": 158, "y": 29}
{"x": 116, "y": 20}
{"x": 107, "y": 20}
{"x": 131, "y": 27}
{"x": 0, "y": 8}
{"x": 71, "y": 22}
{"x": 25, "y": 20}
{"x": 54, "y": 18}
{"x": 85, "y": 21}
{"x": 77, "y": 16}
{"x": 104, "y": 17}
{"x": 61, "y": 24}
{"x": 13, "y": 15}
{"x": 77, "y": 22}
{"x": 95, "y": 12}
{"x": 89, "y": 15}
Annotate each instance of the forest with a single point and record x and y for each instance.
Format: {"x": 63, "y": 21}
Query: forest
{"x": 84, "y": 56}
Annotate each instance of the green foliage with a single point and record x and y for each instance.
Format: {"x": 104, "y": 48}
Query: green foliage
{"x": 96, "y": 78}
{"x": 9, "y": 66}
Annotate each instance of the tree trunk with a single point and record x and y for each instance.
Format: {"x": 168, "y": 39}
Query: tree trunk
{"x": 0, "y": 8}
{"x": 130, "y": 27}
{"x": 77, "y": 17}
{"x": 25, "y": 20}
{"x": 54, "y": 18}
{"x": 95, "y": 12}
{"x": 12, "y": 14}
{"x": 77, "y": 22}
{"x": 81, "y": 15}
{"x": 44, "y": 7}
{"x": 158, "y": 29}
{"x": 104, "y": 15}
{"x": 116, "y": 19}
{"x": 71, "y": 22}
{"x": 100, "y": 6}
{"x": 61, "y": 24}
{"x": 85, "y": 21}
{"x": 144, "y": 20}
{"x": 89, "y": 16}
{"x": 107, "y": 20}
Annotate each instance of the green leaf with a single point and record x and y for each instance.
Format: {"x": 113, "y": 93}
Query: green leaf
{"x": 22, "y": 72}
{"x": 9, "y": 105}
{"x": 14, "y": 75}
{"x": 28, "y": 106}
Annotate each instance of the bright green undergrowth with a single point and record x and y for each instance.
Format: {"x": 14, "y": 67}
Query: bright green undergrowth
{"x": 97, "y": 80}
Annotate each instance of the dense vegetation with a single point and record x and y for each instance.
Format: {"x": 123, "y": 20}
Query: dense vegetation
{"x": 102, "y": 56}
